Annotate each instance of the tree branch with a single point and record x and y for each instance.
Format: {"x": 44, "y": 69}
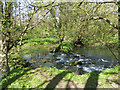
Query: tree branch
{"x": 98, "y": 18}
{"x": 108, "y": 21}
{"x": 27, "y": 27}
{"x": 80, "y": 3}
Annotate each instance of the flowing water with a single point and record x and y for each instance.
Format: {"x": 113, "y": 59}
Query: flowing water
{"x": 91, "y": 59}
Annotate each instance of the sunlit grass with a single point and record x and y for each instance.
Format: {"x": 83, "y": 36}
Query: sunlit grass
{"x": 32, "y": 77}
{"x": 39, "y": 41}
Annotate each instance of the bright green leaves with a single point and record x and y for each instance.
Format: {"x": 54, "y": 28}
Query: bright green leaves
{"x": 67, "y": 47}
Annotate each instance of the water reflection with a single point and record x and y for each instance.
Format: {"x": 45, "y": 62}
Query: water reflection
{"x": 88, "y": 59}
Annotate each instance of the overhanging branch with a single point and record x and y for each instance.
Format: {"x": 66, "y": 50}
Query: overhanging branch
{"x": 107, "y": 20}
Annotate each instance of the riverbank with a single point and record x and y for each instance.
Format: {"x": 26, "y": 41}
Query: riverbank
{"x": 66, "y": 46}
{"x": 38, "y": 42}
{"x": 50, "y": 77}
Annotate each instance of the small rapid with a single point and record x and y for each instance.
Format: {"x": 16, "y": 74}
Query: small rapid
{"x": 80, "y": 61}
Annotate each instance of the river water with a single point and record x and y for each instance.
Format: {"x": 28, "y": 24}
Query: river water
{"x": 92, "y": 59}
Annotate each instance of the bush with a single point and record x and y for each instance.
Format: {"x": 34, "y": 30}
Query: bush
{"x": 67, "y": 47}
{"x": 18, "y": 61}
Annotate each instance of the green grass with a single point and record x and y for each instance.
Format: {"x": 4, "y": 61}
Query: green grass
{"x": 39, "y": 41}
{"x": 43, "y": 77}
{"x": 66, "y": 45}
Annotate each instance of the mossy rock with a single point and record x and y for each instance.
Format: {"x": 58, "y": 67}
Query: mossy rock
{"x": 72, "y": 57}
{"x": 93, "y": 62}
{"x": 76, "y": 56}
{"x": 55, "y": 55}
{"x": 82, "y": 56}
{"x": 70, "y": 53}
{"x": 76, "y": 63}
{"x": 44, "y": 61}
{"x": 51, "y": 51}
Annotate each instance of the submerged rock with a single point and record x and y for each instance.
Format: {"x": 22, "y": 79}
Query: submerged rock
{"x": 51, "y": 51}
{"x": 76, "y": 56}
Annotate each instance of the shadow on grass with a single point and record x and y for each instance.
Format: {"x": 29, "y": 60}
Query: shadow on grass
{"x": 68, "y": 86}
{"x": 92, "y": 81}
{"x": 10, "y": 78}
{"x": 46, "y": 81}
{"x": 54, "y": 82}
{"x": 112, "y": 73}
{"x": 117, "y": 81}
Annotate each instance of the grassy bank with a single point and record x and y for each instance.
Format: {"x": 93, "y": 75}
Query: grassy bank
{"x": 38, "y": 41}
{"x": 66, "y": 46}
{"x": 50, "y": 77}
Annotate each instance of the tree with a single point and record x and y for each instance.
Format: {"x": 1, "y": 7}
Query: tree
{"x": 6, "y": 35}
{"x": 119, "y": 30}
{"x": 11, "y": 36}
{"x": 119, "y": 22}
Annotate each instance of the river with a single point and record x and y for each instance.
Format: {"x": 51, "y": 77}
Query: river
{"x": 92, "y": 59}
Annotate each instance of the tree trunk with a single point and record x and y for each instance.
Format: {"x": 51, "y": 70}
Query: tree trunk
{"x": 15, "y": 19}
{"x": 5, "y": 54}
{"x": 119, "y": 23}
{"x": 20, "y": 13}
{"x": 2, "y": 55}
{"x": 1, "y": 7}
{"x": 119, "y": 32}
{"x": 5, "y": 38}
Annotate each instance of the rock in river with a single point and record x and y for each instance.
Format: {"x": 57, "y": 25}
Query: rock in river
{"x": 76, "y": 63}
